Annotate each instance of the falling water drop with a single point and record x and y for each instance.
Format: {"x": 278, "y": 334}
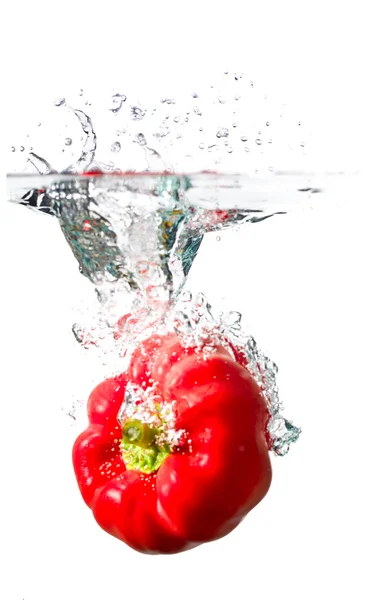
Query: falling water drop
{"x": 137, "y": 113}
{"x": 116, "y": 103}
{"x": 116, "y": 147}
{"x": 222, "y": 132}
{"x": 140, "y": 139}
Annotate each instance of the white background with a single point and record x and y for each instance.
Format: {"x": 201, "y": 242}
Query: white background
{"x": 303, "y": 282}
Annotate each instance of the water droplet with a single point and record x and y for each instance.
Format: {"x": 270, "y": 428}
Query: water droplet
{"x": 140, "y": 139}
{"x": 302, "y": 144}
{"x": 117, "y": 102}
{"x": 247, "y": 149}
{"x": 39, "y": 124}
{"x": 271, "y": 169}
{"x": 270, "y": 141}
{"x": 116, "y": 147}
{"x": 200, "y": 128}
{"x": 243, "y": 138}
{"x": 229, "y": 149}
{"x": 186, "y": 119}
{"x": 22, "y": 148}
{"x": 299, "y": 122}
{"x": 267, "y": 123}
{"x": 237, "y": 97}
{"x": 68, "y": 141}
{"x": 167, "y": 101}
{"x": 213, "y": 148}
{"x": 218, "y": 238}
{"x": 176, "y": 119}
{"x": 195, "y": 95}
{"x": 120, "y": 131}
{"x": 137, "y": 113}
{"x": 60, "y": 102}
{"x": 13, "y": 149}
{"x": 201, "y": 146}
{"x": 222, "y": 132}
{"x": 234, "y": 125}
{"x": 258, "y": 141}
{"x": 197, "y": 111}
{"x": 221, "y": 100}
{"x": 81, "y": 92}
{"x": 178, "y": 136}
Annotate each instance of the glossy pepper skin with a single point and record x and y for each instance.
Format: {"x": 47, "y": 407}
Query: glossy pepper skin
{"x": 208, "y": 483}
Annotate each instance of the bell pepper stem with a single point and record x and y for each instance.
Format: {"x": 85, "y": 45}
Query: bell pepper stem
{"x": 138, "y": 434}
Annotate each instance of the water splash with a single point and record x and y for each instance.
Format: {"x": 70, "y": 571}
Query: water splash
{"x": 198, "y": 327}
{"x": 89, "y": 147}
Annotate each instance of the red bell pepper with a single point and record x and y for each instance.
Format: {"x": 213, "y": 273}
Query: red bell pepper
{"x": 159, "y": 496}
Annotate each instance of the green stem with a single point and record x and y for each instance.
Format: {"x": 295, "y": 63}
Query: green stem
{"x": 139, "y": 434}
